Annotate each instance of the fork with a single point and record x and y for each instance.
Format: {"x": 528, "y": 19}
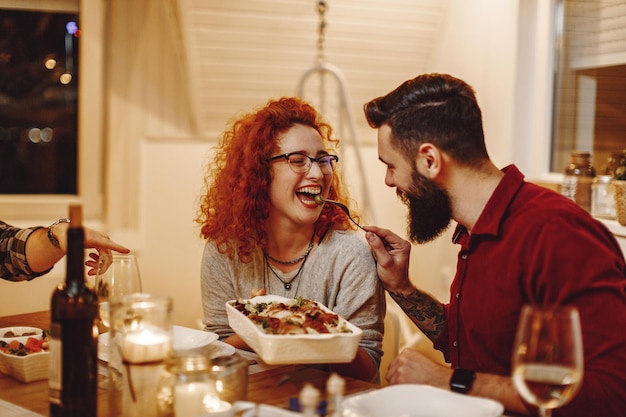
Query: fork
{"x": 320, "y": 200}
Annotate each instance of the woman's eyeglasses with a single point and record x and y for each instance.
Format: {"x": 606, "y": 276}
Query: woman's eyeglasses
{"x": 301, "y": 163}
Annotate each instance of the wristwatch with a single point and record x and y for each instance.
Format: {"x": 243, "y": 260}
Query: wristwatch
{"x": 462, "y": 380}
{"x": 51, "y": 237}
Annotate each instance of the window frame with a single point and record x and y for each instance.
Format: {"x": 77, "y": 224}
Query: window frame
{"x": 582, "y": 72}
{"x": 90, "y": 120}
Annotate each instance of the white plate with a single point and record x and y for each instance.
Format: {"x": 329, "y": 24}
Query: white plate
{"x": 185, "y": 338}
{"x": 293, "y": 348}
{"x": 412, "y": 400}
{"x": 262, "y": 410}
{"x": 225, "y": 348}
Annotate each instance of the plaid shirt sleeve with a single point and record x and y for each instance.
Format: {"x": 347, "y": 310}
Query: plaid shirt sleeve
{"x": 13, "y": 264}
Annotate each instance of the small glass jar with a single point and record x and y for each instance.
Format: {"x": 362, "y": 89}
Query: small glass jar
{"x": 603, "y": 197}
{"x": 196, "y": 382}
{"x": 579, "y": 175}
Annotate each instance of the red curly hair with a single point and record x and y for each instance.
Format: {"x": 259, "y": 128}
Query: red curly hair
{"x": 236, "y": 204}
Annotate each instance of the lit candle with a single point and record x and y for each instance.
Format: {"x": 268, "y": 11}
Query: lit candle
{"x": 214, "y": 407}
{"x": 189, "y": 399}
{"x": 146, "y": 345}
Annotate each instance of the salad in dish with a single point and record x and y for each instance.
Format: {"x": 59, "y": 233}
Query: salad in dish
{"x": 292, "y": 316}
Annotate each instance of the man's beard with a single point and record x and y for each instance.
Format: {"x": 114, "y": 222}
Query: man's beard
{"x": 430, "y": 212}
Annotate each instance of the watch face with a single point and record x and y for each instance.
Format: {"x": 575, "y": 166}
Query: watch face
{"x": 462, "y": 380}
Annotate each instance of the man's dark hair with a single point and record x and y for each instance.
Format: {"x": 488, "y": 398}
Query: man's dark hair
{"x": 434, "y": 108}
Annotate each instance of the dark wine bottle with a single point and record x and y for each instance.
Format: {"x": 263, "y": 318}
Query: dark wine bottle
{"x": 73, "y": 378}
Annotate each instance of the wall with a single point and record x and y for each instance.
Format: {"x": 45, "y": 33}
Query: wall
{"x": 168, "y": 170}
{"x": 502, "y": 48}
{"x": 472, "y": 45}
{"x": 171, "y": 250}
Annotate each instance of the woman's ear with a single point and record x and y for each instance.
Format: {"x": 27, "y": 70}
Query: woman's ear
{"x": 428, "y": 160}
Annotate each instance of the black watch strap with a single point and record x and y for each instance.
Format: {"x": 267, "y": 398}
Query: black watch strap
{"x": 462, "y": 380}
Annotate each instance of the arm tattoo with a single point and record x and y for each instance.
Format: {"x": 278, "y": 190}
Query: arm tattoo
{"x": 426, "y": 312}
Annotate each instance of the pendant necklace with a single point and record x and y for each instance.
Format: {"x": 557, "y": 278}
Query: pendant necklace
{"x": 286, "y": 284}
{"x": 303, "y": 258}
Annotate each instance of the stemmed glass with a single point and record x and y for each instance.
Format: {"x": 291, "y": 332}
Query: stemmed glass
{"x": 548, "y": 356}
{"x": 116, "y": 275}
{"x": 120, "y": 278}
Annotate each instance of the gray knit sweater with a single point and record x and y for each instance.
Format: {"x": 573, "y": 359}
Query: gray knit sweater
{"x": 340, "y": 273}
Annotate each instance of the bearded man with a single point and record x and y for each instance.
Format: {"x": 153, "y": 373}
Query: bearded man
{"x": 519, "y": 244}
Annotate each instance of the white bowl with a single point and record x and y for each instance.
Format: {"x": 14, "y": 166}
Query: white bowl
{"x": 32, "y": 367}
{"x": 19, "y": 332}
{"x": 413, "y": 400}
{"x": 294, "y": 348}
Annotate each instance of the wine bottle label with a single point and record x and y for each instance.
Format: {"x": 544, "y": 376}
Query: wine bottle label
{"x": 55, "y": 373}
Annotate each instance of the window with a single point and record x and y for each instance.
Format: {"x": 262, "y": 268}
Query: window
{"x": 85, "y": 161}
{"x": 39, "y": 96}
{"x": 590, "y": 81}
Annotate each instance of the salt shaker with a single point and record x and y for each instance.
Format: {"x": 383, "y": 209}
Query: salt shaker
{"x": 335, "y": 386}
{"x": 309, "y": 399}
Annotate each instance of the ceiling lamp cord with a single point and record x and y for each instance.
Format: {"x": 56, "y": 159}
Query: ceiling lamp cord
{"x": 322, "y": 7}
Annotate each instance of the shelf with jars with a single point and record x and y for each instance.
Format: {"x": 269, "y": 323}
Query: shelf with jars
{"x": 618, "y": 167}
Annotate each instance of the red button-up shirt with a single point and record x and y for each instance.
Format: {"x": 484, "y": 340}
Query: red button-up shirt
{"x": 532, "y": 245}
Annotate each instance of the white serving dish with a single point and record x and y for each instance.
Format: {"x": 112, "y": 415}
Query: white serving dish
{"x": 20, "y": 330}
{"x": 298, "y": 348}
{"x": 32, "y": 367}
{"x": 413, "y": 400}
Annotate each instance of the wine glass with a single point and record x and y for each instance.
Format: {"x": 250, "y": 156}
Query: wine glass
{"x": 548, "y": 356}
{"x": 116, "y": 275}
{"x": 121, "y": 277}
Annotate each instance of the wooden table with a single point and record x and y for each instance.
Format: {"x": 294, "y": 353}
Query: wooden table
{"x": 272, "y": 386}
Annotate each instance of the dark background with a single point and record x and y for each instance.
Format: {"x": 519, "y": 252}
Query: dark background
{"x": 31, "y": 96}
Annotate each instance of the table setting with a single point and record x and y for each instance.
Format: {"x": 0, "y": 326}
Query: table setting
{"x": 163, "y": 370}
{"x": 271, "y": 386}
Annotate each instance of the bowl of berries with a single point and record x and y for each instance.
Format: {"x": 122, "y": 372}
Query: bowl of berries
{"x": 24, "y": 353}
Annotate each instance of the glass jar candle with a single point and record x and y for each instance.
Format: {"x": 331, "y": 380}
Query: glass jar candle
{"x": 196, "y": 383}
{"x": 141, "y": 343}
